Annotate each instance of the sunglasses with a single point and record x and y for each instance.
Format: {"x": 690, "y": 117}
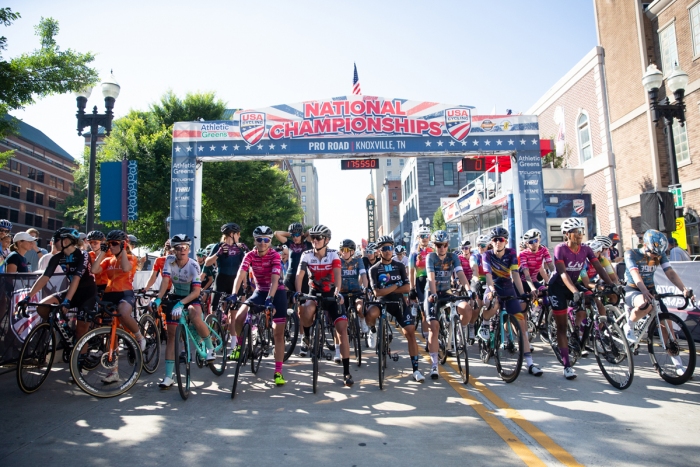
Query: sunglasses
{"x": 575, "y": 231}
{"x": 441, "y": 245}
{"x": 296, "y": 235}
{"x": 262, "y": 240}
{"x": 466, "y": 247}
{"x": 346, "y": 250}
{"x": 4, "y": 231}
{"x": 498, "y": 239}
{"x": 114, "y": 243}
{"x": 370, "y": 252}
{"x": 425, "y": 236}
{"x": 317, "y": 237}
{"x": 482, "y": 245}
{"x": 387, "y": 248}
{"x": 533, "y": 241}
{"x": 181, "y": 248}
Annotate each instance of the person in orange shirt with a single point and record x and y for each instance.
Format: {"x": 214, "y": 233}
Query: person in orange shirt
{"x": 158, "y": 266}
{"x": 119, "y": 288}
{"x": 95, "y": 239}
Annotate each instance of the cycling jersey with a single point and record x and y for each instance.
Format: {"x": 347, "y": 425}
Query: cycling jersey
{"x": 186, "y": 278}
{"x": 351, "y": 271}
{"x": 383, "y": 275}
{"x": 573, "y": 261}
{"x": 443, "y": 269}
{"x": 320, "y": 271}
{"x": 209, "y": 271}
{"x": 230, "y": 258}
{"x": 636, "y": 259}
{"x": 533, "y": 260}
{"x": 77, "y": 264}
{"x": 101, "y": 278}
{"x": 158, "y": 266}
{"x": 368, "y": 264}
{"x": 500, "y": 268}
{"x": 263, "y": 268}
{"x": 591, "y": 272}
{"x": 466, "y": 267}
{"x": 403, "y": 260}
{"x": 118, "y": 280}
{"x": 295, "y": 251}
{"x": 477, "y": 260}
{"x": 417, "y": 260}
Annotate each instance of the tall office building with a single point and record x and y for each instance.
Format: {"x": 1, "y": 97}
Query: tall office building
{"x": 307, "y": 177}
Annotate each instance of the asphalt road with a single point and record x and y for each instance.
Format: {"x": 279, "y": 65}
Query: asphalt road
{"x": 533, "y": 421}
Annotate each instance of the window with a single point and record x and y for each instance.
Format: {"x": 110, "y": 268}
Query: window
{"x": 388, "y": 173}
{"x": 303, "y": 199}
{"x": 31, "y": 174}
{"x": 303, "y": 188}
{"x": 29, "y": 218}
{"x": 303, "y": 179}
{"x": 448, "y": 175}
{"x": 15, "y": 167}
{"x": 14, "y": 215}
{"x": 14, "y": 191}
{"x": 393, "y": 195}
{"x": 584, "y": 138}
{"x": 303, "y": 168}
{"x": 4, "y": 213}
{"x": 51, "y": 224}
{"x": 30, "y": 196}
{"x": 304, "y": 208}
{"x": 40, "y": 176}
{"x": 395, "y": 210}
{"x": 39, "y": 198}
{"x": 59, "y": 224}
{"x": 53, "y": 181}
{"x": 5, "y": 189}
{"x": 388, "y": 162}
{"x": 303, "y": 161}
{"x": 680, "y": 140}
{"x": 669, "y": 50}
{"x": 431, "y": 173}
{"x": 38, "y": 221}
{"x": 401, "y": 162}
{"x": 52, "y": 202}
{"x": 695, "y": 28}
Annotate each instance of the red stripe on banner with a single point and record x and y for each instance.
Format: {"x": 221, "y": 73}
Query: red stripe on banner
{"x": 187, "y": 134}
{"x": 478, "y": 118}
{"x": 419, "y": 107}
{"x": 278, "y": 119}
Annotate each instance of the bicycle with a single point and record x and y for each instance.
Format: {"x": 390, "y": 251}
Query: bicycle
{"x": 538, "y": 317}
{"x": 505, "y": 342}
{"x": 384, "y": 337}
{"x": 152, "y": 324}
{"x": 354, "y": 330}
{"x": 571, "y": 336}
{"x": 452, "y": 335}
{"x": 187, "y": 333}
{"x": 291, "y": 332}
{"x": 103, "y": 349}
{"x": 668, "y": 346}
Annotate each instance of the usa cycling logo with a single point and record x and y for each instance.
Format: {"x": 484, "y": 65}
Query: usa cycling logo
{"x": 252, "y": 126}
{"x": 458, "y": 122}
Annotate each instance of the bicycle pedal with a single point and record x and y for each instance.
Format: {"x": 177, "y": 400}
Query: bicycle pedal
{"x": 395, "y": 357}
{"x": 328, "y": 356}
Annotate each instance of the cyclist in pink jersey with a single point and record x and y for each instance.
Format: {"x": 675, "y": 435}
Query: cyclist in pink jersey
{"x": 535, "y": 260}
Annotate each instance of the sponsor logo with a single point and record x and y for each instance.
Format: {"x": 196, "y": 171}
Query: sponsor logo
{"x": 215, "y": 130}
{"x": 252, "y": 126}
{"x": 507, "y": 125}
{"x": 487, "y": 125}
{"x": 579, "y": 206}
{"x": 458, "y": 123}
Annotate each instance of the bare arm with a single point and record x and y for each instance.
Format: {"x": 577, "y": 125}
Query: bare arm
{"x": 282, "y": 236}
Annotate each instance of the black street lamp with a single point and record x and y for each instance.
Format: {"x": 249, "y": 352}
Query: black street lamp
{"x": 677, "y": 82}
{"x": 110, "y": 90}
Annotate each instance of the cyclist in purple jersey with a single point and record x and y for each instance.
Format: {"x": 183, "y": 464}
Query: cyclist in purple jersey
{"x": 569, "y": 259}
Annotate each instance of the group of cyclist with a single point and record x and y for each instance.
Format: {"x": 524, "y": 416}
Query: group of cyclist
{"x": 276, "y": 278}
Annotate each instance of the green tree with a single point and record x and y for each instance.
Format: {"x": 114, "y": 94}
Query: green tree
{"x": 249, "y": 193}
{"x": 554, "y": 160}
{"x": 438, "y": 220}
{"x": 46, "y": 71}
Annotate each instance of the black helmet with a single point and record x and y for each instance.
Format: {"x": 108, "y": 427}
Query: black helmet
{"x": 262, "y": 231}
{"x": 231, "y": 227}
{"x": 347, "y": 243}
{"x": 68, "y": 232}
{"x": 466, "y": 243}
{"x": 95, "y": 235}
{"x": 132, "y": 239}
{"x": 498, "y": 232}
{"x": 116, "y": 235}
{"x": 295, "y": 227}
{"x": 385, "y": 239}
{"x": 321, "y": 230}
{"x": 180, "y": 239}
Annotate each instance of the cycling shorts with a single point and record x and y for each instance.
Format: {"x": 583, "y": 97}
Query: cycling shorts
{"x": 279, "y": 302}
{"x": 631, "y": 293}
{"x": 420, "y": 288}
{"x": 118, "y": 297}
{"x": 170, "y": 302}
{"x": 335, "y": 312}
{"x": 84, "y": 300}
{"x": 401, "y": 313}
{"x": 560, "y": 295}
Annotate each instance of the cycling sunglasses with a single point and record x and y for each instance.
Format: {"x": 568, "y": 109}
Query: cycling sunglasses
{"x": 4, "y": 231}
{"x": 262, "y": 240}
{"x": 575, "y": 232}
{"x": 346, "y": 250}
{"x": 387, "y": 248}
{"x": 440, "y": 245}
{"x": 533, "y": 241}
{"x": 317, "y": 237}
{"x": 425, "y": 236}
{"x": 498, "y": 239}
{"x": 181, "y": 248}
{"x": 483, "y": 245}
{"x": 296, "y": 235}
{"x": 115, "y": 243}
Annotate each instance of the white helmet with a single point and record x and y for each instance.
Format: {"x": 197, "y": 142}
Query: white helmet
{"x": 423, "y": 231}
{"x": 483, "y": 240}
{"x": 594, "y": 245}
{"x": 532, "y": 233}
{"x": 571, "y": 223}
{"x": 604, "y": 240}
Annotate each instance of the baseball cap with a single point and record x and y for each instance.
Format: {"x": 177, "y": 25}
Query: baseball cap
{"x": 23, "y": 236}
{"x": 614, "y": 237}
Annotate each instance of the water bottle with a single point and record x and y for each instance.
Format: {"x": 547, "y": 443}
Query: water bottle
{"x": 414, "y": 311}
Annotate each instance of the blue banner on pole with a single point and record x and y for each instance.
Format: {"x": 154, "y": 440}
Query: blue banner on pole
{"x": 132, "y": 191}
{"x": 119, "y": 178}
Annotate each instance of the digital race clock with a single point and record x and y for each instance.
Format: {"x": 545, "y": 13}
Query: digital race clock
{"x": 353, "y": 164}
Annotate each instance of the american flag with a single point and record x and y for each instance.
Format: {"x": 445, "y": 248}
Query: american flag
{"x": 356, "y": 83}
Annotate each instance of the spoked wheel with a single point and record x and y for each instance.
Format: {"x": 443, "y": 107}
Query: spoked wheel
{"x": 531, "y": 330}
{"x": 354, "y": 335}
{"x": 509, "y": 349}
{"x": 217, "y": 366}
{"x": 316, "y": 349}
{"x": 151, "y": 356}
{"x": 104, "y": 372}
{"x": 291, "y": 333}
{"x": 257, "y": 344}
{"x": 36, "y": 358}
{"x": 461, "y": 351}
{"x": 544, "y": 326}
{"x": 613, "y": 353}
{"x": 182, "y": 361}
{"x": 574, "y": 346}
{"x": 442, "y": 344}
{"x": 244, "y": 343}
{"x": 381, "y": 350}
{"x": 676, "y": 363}
{"x": 328, "y": 332}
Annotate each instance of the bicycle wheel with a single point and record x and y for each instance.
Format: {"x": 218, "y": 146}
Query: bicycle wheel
{"x": 461, "y": 351}
{"x": 442, "y": 343}
{"x": 316, "y": 351}
{"x": 291, "y": 334}
{"x": 36, "y": 358}
{"x": 676, "y": 363}
{"x": 509, "y": 349}
{"x": 258, "y": 343}
{"x": 354, "y": 336}
{"x": 381, "y": 349}
{"x": 182, "y": 355}
{"x": 244, "y": 343}
{"x": 574, "y": 347}
{"x": 328, "y": 332}
{"x": 151, "y": 355}
{"x": 613, "y": 354}
{"x": 92, "y": 361}
{"x": 217, "y": 366}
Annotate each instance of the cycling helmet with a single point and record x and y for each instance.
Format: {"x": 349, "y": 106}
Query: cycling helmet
{"x": 67, "y": 232}
{"x": 400, "y": 249}
{"x": 604, "y": 240}
{"x": 440, "y": 236}
{"x": 423, "y": 230}
{"x": 371, "y": 247}
{"x": 498, "y": 232}
{"x": 385, "y": 239}
{"x": 523, "y": 244}
{"x": 5, "y": 224}
{"x": 570, "y": 224}
{"x": 483, "y": 240}
{"x": 82, "y": 235}
{"x": 655, "y": 242}
{"x": 231, "y": 227}
{"x": 594, "y": 245}
{"x": 295, "y": 227}
{"x": 262, "y": 231}
{"x": 180, "y": 239}
{"x": 531, "y": 234}
{"x": 347, "y": 243}
{"x": 95, "y": 235}
{"x": 132, "y": 239}
{"x": 201, "y": 252}
{"x": 116, "y": 235}
{"x": 320, "y": 229}
{"x": 466, "y": 243}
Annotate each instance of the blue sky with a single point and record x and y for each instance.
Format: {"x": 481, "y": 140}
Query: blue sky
{"x": 255, "y": 54}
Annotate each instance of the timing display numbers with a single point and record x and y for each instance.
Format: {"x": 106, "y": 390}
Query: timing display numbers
{"x": 355, "y": 164}
{"x": 471, "y": 165}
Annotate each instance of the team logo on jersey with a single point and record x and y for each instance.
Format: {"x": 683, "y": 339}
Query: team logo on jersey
{"x": 458, "y": 123}
{"x": 252, "y": 126}
{"x": 579, "y": 206}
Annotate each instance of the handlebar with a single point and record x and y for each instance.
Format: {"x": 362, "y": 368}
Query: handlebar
{"x": 673, "y": 295}
{"x": 303, "y": 298}
{"x": 22, "y": 307}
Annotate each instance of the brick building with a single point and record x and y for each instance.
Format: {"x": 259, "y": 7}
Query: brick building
{"x": 390, "y": 200}
{"x": 35, "y": 181}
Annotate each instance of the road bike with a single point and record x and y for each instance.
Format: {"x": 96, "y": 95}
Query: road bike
{"x": 354, "y": 330}
{"x": 317, "y": 333}
{"x": 505, "y": 342}
{"x": 451, "y": 334}
{"x": 384, "y": 336}
{"x": 151, "y": 322}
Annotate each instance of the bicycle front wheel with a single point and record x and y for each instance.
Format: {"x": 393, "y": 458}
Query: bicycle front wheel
{"x": 102, "y": 371}
{"x": 572, "y": 339}
{"x": 291, "y": 334}
{"x": 328, "y": 331}
{"x": 182, "y": 356}
{"x": 243, "y": 343}
{"x": 257, "y": 349}
{"x": 316, "y": 351}
{"x": 509, "y": 349}
{"x": 381, "y": 350}
{"x": 36, "y": 358}
{"x": 217, "y": 366}
{"x": 676, "y": 363}
{"x": 461, "y": 351}
{"x": 442, "y": 343}
{"x": 151, "y": 355}
{"x": 613, "y": 353}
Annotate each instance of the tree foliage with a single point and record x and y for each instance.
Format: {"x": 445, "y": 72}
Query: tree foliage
{"x": 438, "y": 220}
{"x": 46, "y": 71}
{"x": 249, "y": 193}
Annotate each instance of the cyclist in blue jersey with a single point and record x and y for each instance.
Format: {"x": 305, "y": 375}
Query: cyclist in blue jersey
{"x": 354, "y": 280}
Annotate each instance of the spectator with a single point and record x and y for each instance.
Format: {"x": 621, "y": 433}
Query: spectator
{"x": 44, "y": 261}
{"x": 21, "y": 244}
{"x": 35, "y": 253}
{"x": 614, "y": 252}
{"x": 5, "y": 241}
{"x": 676, "y": 253}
